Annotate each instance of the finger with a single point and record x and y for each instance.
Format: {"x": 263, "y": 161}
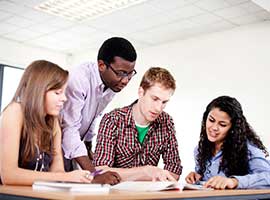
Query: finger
{"x": 197, "y": 177}
{"x": 188, "y": 179}
{"x": 170, "y": 177}
{"x": 208, "y": 183}
{"x": 117, "y": 176}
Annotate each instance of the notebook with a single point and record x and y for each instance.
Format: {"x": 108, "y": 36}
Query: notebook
{"x": 146, "y": 186}
{"x": 71, "y": 187}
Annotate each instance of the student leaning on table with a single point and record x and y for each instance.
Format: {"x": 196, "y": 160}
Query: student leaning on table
{"x": 230, "y": 154}
{"x": 132, "y": 139}
{"x": 30, "y": 136}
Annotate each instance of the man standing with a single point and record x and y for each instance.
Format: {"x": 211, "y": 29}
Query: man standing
{"x": 132, "y": 139}
{"x": 91, "y": 87}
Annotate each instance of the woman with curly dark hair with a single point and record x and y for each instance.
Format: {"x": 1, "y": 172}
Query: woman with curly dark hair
{"x": 229, "y": 154}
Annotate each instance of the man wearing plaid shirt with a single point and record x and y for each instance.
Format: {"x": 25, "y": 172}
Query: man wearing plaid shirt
{"x": 132, "y": 139}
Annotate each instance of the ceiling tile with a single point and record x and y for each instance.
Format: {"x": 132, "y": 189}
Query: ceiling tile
{"x": 43, "y": 28}
{"x": 7, "y": 28}
{"x": 211, "y": 5}
{"x": 232, "y": 12}
{"x": 46, "y": 41}
{"x": 19, "y": 21}
{"x": 156, "y": 35}
{"x": 205, "y": 19}
{"x": 251, "y": 18}
{"x": 247, "y": 19}
{"x": 36, "y": 16}
{"x": 28, "y": 3}
{"x": 11, "y": 7}
{"x": 185, "y": 12}
{"x": 22, "y": 35}
{"x": 236, "y": 2}
{"x": 168, "y": 5}
{"x": 60, "y": 22}
{"x": 251, "y": 7}
{"x": 4, "y": 15}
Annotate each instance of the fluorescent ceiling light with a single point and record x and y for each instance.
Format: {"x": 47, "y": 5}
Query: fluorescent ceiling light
{"x": 80, "y": 10}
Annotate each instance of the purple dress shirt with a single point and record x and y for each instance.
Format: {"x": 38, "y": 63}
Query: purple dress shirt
{"x": 85, "y": 102}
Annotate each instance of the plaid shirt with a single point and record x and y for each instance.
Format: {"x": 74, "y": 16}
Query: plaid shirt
{"x": 118, "y": 144}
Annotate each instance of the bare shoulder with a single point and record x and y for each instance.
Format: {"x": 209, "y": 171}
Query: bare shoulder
{"x": 13, "y": 112}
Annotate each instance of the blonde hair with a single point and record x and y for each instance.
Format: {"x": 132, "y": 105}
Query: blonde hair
{"x": 39, "y": 77}
{"x": 157, "y": 75}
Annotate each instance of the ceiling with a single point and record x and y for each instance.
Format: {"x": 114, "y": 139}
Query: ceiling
{"x": 150, "y": 23}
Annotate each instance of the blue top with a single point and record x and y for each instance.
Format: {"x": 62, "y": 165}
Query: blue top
{"x": 259, "y": 169}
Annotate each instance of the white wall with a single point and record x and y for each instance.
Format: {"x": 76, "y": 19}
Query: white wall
{"x": 19, "y": 55}
{"x": 235, "y": 62}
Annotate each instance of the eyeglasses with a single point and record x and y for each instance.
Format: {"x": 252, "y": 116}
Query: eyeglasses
{"x": 121, "y": 74}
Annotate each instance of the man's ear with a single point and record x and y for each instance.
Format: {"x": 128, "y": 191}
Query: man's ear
{"x": 140, "y": 92}
{"x": 101, "y": 66}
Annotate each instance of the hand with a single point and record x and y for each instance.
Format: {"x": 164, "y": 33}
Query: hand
{"x": 220, "y": 182}
{"x": 108, "y": 177}
{"x": 79, "y": 176}
{"x": 193, "y": 177}
{"x": 157, "y": 174}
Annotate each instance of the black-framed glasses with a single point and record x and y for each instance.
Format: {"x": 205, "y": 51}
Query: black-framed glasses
{"x": 121, "y": 74}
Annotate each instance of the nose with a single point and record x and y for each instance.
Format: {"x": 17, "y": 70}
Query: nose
{"x": 64, "y": 98}
{"x": 215, "y": 127}
{"x": 159, "y": 107}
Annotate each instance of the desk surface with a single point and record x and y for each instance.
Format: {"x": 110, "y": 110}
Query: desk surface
{"x": 26, "y": 191}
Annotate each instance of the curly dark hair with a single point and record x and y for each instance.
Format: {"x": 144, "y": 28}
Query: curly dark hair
{"x": 234, "y": 148}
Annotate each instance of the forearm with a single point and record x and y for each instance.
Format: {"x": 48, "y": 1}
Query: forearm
{"x": 85, "y": 163}
{"x": 21, "y": 176}
{"x": 143, "y": 173}
{"x": 257, "y": 180}
{"x": 129, "y": 174}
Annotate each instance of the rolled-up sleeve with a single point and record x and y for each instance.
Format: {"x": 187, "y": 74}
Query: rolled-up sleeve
{"x": 171, "y": 156}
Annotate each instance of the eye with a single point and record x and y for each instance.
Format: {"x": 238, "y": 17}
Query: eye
{"x": 58, "y": 92}
{"x": 155, "y": 98}
{"x": 121, "y": 74}
{"x": 223, "y": 125}
{"x": 211, "y": 120}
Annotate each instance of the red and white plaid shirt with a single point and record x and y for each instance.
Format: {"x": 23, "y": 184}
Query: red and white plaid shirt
{"x": 118, "y": 144}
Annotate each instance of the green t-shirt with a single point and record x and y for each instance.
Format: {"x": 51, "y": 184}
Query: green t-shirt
{"x": 142, "y": 131}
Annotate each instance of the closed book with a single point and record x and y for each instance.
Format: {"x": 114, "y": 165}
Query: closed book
{"x": 71, "y": 187}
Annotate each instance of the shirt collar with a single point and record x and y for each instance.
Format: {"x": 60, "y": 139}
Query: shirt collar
{"x": 101, "y": 85}
{"x": 131, "y": 122}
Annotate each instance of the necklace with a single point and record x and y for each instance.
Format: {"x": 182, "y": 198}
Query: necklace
{"x": 40, "y": 157}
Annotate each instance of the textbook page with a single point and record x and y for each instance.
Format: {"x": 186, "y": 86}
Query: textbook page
{"x": 146, "y": 186}
{"x": 187, "y": 186}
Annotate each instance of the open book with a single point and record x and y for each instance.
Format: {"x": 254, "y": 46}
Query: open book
{"x": 71, "y": 187}
{"x": 146, "y": 186}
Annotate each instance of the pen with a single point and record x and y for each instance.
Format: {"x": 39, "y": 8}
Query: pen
{"x": 96, "y": 172}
